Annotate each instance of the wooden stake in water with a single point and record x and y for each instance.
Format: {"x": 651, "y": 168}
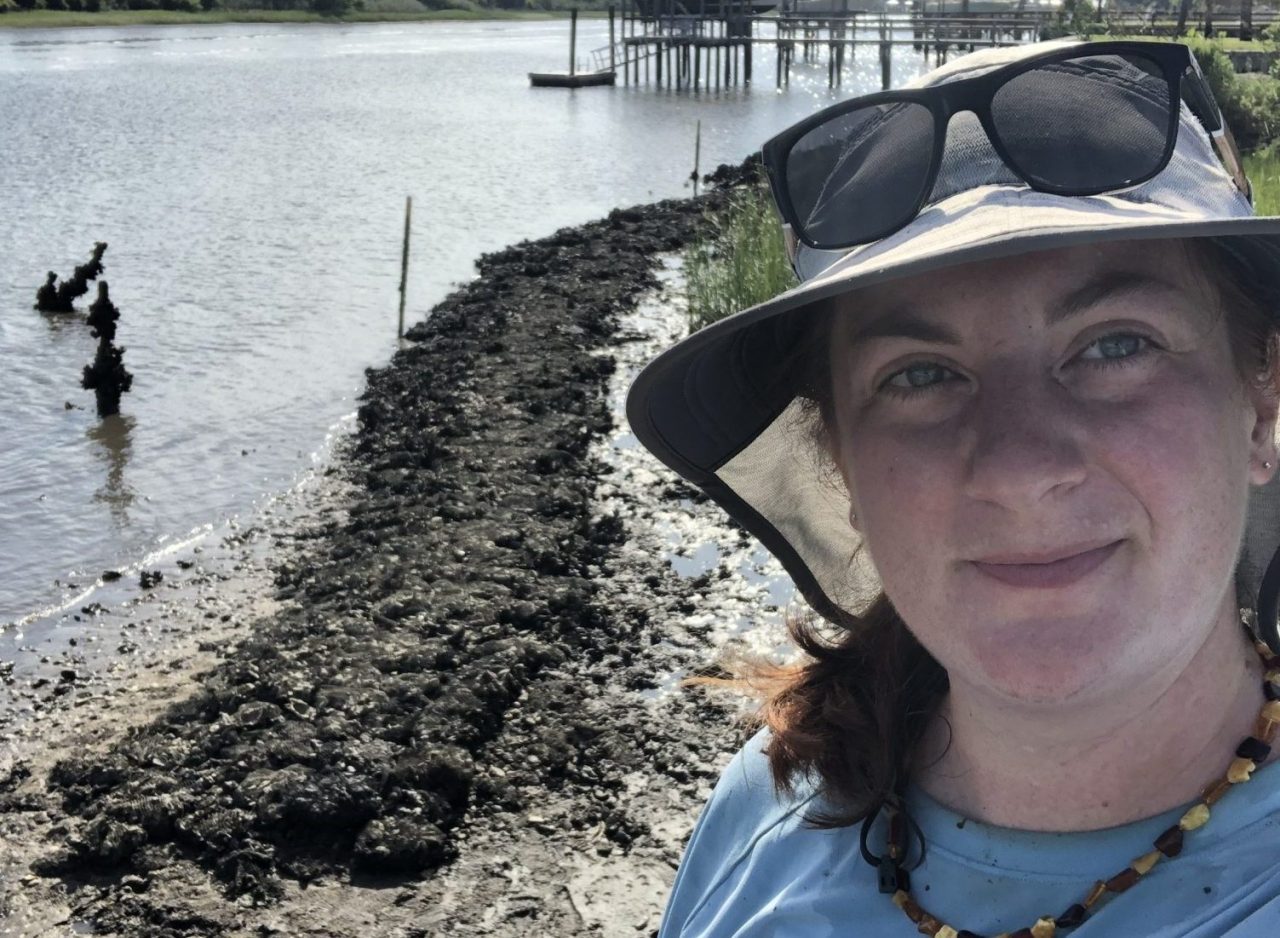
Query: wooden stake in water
{"x": 404, "y": 261}
{"x": 573, "y": 39}
{"x": 697, "y": 153}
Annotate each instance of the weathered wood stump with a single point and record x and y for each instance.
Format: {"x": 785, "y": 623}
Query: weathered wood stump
{"x": 106, "y": 376}
{"x": 47, "y": 296}
{"x": 61, "y": 298}
{"x": 103, "y": 315}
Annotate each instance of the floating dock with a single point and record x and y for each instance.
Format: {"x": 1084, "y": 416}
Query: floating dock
{"x": 571, "y": 79}
{"x": 574, "y": 78}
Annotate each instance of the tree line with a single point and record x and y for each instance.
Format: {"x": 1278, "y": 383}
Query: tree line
{"x": 323, "y": 7}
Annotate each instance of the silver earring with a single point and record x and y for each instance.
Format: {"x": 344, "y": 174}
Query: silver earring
{"x": 853, "y": 518}
{"x": 1266, "y": 465}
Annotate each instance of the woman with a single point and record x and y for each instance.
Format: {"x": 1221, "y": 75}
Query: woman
{"x": 1004, "y": 437}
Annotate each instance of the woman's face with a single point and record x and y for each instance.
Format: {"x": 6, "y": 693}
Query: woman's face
{"x": 1049, "y": 459}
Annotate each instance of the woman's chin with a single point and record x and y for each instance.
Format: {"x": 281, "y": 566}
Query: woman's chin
{"x": 1052, "y": 661}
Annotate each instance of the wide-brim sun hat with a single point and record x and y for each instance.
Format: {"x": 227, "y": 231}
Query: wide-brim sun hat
{"x": 724, "y": 407}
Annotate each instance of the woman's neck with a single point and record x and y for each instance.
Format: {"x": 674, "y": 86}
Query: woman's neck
{"x": 1148, "y": 750}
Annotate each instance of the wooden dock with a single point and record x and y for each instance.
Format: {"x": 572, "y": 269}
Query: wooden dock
{"x": 695, "y": 54}
{"x": 664, "y": 46}
{"x": 698, "y": 45}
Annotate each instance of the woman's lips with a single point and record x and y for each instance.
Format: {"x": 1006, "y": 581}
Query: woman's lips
{"x": 1049, "y": 572}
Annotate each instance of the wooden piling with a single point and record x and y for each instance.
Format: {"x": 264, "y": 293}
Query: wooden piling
{"x": 613, "y": 62}
{"x": 573, "y": 40}
{"x": 697, "y": 153}
{"x": 404, "y": 262}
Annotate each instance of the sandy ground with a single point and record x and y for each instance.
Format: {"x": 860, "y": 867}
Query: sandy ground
{"x": 444, "y": 700}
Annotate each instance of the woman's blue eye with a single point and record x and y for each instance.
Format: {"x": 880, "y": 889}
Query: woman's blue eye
{"x": 921, "y": 375}
{"x": 1112, "y": 347}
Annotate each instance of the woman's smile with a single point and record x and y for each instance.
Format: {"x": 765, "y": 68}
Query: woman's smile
{"x": 1046, "y": 569}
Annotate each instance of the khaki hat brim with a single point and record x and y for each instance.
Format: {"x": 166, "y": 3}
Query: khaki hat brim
{"x": 704, "y": 405}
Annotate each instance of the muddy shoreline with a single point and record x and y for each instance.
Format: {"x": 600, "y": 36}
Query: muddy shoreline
{"x": 451, "y": 719}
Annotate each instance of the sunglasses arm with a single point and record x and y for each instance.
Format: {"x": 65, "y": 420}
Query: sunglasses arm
{"x": 1225, "y": 144}
{"x": 792, "y": 243}
{"x": 1202, "y": 104}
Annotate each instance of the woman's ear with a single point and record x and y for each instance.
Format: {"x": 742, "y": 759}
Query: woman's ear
{"x": 1263, "y": 395}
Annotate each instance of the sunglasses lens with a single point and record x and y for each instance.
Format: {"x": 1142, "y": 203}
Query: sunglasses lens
{"x": 1087, "y": 124}
{"x": 860, "y": 175}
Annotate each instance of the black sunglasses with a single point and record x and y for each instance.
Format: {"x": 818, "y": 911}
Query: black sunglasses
{"x": 1081, "y": 120}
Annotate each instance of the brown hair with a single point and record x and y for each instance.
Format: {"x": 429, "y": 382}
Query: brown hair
{"x": 851, "y": 713}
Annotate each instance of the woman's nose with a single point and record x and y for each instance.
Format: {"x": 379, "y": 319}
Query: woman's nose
{"x": 1025, "y": 445}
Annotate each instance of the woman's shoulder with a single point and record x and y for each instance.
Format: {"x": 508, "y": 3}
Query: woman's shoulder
{"x": 746, "y": 800}
{"x": 744, "y": 809}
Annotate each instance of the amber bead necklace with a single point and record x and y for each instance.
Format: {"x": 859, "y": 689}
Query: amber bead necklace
{"x": 1251, "y": 753}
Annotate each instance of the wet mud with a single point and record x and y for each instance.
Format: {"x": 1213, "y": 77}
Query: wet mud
{"x": 458, "y": 718}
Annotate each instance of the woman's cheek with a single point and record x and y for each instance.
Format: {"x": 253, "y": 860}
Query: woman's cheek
{"x": 1145, "y": 443}
{"x": 1193, "y": 494}
{"x": 901, "y": 499}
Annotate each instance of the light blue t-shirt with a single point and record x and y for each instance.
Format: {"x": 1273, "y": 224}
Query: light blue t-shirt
{"x": 753, "y": 869}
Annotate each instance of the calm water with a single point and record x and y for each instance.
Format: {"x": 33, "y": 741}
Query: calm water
{"x": 250, "y": 181}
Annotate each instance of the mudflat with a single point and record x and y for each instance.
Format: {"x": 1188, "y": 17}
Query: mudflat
{"x": 446, "y": 714}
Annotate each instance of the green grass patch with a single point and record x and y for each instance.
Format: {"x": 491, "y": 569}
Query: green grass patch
{"x": 742, "y": 262}
{"x": 1250, "y": 102}
{"x": 1263, "y": 170}
{"x": 1226, "y": 43}
{"x": 50, "y": 19}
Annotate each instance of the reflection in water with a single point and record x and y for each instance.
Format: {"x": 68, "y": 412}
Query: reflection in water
{"x": 112, "y": 434}
{"x": 61, "y": 323}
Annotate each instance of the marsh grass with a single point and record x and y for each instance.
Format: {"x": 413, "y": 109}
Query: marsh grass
{"x": 1263, "y": 170}
{"x": 1228, "y": 43}
{"x": 742, "y": 262}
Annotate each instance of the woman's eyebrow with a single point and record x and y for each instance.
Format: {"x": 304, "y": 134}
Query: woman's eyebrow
{"x": 1106, "y": 285}
{"x": 900, "y": 322}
